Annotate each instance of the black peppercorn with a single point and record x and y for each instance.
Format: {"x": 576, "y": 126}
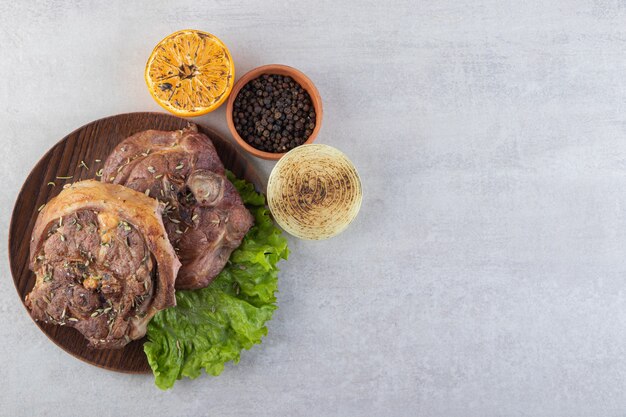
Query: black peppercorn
{"x": 274, "y": 113}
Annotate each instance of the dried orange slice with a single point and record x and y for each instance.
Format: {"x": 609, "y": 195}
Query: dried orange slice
{"x": 190, "y": 73}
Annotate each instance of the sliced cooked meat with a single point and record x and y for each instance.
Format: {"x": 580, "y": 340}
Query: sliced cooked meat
{"x": 204, "y": 216}
{"x": 103, "y": 263}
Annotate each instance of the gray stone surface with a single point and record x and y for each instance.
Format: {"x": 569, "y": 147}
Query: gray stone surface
{"x": 485, "y": 273}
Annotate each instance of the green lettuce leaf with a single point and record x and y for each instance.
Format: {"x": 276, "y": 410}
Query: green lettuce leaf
{"x": 211, "y": 326}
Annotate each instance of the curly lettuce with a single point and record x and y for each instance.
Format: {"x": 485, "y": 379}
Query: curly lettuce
{"x": 210, "y": 326}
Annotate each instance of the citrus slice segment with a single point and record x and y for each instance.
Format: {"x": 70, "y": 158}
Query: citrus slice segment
{"x": 190, "y": 73}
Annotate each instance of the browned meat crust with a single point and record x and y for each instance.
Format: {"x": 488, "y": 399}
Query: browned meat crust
{"x": 103, "y": 263}
{"x": 204, "y": 216}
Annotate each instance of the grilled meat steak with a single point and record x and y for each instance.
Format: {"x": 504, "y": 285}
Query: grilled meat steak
{"x": 204, "y": 216}
{"x": 103, "y": 263}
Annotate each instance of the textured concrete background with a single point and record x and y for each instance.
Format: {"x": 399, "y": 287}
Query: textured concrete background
{"x": 485, "y": 275}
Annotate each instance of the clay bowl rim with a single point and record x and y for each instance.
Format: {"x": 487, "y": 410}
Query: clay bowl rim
{"x": 279, "y": 69}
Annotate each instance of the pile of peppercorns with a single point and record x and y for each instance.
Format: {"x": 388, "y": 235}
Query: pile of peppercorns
{"x": 273, "y": 113}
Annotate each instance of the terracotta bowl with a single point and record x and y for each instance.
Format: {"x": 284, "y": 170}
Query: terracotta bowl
{"x": 300, "y": 78}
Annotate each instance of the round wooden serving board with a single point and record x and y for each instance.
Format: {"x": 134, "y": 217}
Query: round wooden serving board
{"x": 89, "y": 143}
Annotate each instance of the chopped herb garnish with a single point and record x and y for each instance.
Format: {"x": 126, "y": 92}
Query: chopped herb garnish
{"x": 124, "y": 225}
